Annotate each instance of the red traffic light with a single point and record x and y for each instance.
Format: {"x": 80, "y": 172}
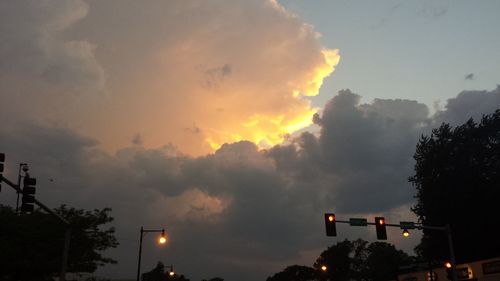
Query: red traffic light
{"x": 331, "y": 229}
{"x": 380, "y": 228}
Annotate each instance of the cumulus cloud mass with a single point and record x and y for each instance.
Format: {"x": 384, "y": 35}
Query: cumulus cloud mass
{"x": 235, "y": 70}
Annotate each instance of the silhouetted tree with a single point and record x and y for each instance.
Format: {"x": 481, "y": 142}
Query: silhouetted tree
{"x": 383, "y": 261}
{"x": 359, "y": 260}
{"x": 31, "y": 245}
{"x": 294, "y": 273}
{"x": 338, "y": 260}
{"x": 156, "y": 274}
{"x": 457, "y": 177}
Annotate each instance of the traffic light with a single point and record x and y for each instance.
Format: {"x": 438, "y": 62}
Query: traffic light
{"x": 380, "y": 227}
{"x": 2, "y": 160}
{"x": 28, "y": 199}
{"x": 331, "y": 229}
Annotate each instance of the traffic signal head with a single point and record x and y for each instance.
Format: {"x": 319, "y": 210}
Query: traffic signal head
{"x": 2, "y": 160}
{"x": 29, "y": 191}
{"x": 380, "y": 227}
{"x": 331, "y": 229}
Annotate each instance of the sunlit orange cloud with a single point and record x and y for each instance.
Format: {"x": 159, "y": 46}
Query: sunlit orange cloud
{"x": 272, "y": 127}
{"x": 201, "y": 75}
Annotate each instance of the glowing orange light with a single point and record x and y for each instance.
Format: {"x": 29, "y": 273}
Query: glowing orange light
{"x": 406, "y": 233}
{"x": 171, "y": 273}
{"x": 331, "y": 218}
{"x": 162, "y": 239}
{"x": 324, "y": 268}
{"x": 447, "y": 264}
{"x": 381, "y": 221}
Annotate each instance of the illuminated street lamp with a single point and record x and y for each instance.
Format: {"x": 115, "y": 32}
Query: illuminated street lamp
{"x": 406, "y": 233}
{"x": 324, "y": 268}
{"x": 161, "y": 240}
{"x": 171, "y": 272}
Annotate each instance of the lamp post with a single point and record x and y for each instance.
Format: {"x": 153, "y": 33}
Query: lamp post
{"x": 161, "y": 240}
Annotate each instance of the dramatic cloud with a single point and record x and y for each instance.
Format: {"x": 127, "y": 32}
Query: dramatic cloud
{"x": 241, "y": 212}
{"x": 235, "y": 70}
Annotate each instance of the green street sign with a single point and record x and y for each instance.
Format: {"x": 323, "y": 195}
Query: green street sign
{"x": 358, "y": 222}
{"x": 407, "y": 225}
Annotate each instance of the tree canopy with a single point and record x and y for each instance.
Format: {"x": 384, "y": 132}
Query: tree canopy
{"x": 32, "y": 245}
{"x": 457, "y": 178}
{"x": 350, "y": 260}
{"x": 294, "y": 273}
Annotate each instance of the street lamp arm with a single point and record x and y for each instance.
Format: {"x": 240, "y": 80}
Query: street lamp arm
{"x": 153, "y": 230}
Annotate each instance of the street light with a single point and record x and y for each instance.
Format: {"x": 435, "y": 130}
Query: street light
{"x": 171, "y": 273}
{"x": 161, "y": 240}
{"x": 324, "y": 268}
{"x": 406, "y": 233}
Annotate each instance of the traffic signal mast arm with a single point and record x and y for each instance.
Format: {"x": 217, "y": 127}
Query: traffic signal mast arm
{"x": 401, "y": 225}
{"x": 405, "y": 225}
{"x": 40, "y": 204}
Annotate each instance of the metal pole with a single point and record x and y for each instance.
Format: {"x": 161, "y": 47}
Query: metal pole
{"x": 140, "y": 252}
{"x": 67, "y": 238}
{"x": 19, "y": 185}
{"x": 452, "y": 254}
{"x": 431, "y": 273}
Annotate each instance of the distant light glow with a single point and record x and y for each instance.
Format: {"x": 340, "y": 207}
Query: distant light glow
{"x": 324, "y": 268}
{"x": 406, "y": 233}
{"x": 171, "y": 273}
{"x": 447, "y": 264}
{"x": 331, "y": 218}
{"x": 162, "y": 240}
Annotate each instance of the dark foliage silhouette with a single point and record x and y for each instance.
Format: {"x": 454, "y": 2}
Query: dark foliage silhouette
{"x": 31, "y": 246}
{"x": 350, "y": 260}
{"x": 457, "y": 178}
{"x": 294, "y": 273}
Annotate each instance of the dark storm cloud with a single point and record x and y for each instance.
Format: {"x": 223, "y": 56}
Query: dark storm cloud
{"x": 239, "y": 211}
{"x": 468, "y": 104}
{"x": 364, "y": 149}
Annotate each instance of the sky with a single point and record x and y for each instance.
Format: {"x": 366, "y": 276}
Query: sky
{"x": 236, "y": 124}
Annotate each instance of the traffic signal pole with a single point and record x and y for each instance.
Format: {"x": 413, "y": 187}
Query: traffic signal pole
{"x": 405, "y": 225}
{"x": 67, "y": 234}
